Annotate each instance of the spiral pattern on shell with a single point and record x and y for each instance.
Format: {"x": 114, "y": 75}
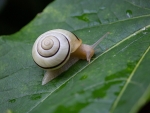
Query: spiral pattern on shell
{"x": 52, "y": 49}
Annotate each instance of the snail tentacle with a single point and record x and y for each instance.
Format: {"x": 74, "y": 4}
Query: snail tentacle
{"x": 57, "y": 50}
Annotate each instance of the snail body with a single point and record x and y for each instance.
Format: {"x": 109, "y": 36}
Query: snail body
{"x": 57, "y": 50}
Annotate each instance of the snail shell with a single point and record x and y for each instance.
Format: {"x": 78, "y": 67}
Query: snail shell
{"x": 52, "y": 49}
{"x": 57, "y": 50}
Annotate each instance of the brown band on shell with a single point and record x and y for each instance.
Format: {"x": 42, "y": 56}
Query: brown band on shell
{"x": 64, "y": 58}
{"x": 54, "y": 53}
{"x": 60, "y": 62}
{"x": 76, "y": 36}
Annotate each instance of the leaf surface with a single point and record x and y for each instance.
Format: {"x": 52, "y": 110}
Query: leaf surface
{"x": 117, "y": 78}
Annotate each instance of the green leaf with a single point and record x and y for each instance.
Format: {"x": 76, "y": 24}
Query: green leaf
{"x": 117, "y": 78}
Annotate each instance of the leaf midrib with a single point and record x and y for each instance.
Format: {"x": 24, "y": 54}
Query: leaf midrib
{"x": 92, "y": 62}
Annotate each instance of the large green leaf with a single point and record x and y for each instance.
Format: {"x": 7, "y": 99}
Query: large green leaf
{"x": 117, "y": 79}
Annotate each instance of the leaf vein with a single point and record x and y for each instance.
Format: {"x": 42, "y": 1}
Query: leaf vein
{"x": 128, "y": 80}
{"x": 136, "y": 5}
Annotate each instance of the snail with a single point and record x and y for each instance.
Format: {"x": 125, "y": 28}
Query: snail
{"x": 57, "y": 50}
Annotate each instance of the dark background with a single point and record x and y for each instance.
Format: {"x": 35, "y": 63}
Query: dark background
{"x": 14, "y": 14}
